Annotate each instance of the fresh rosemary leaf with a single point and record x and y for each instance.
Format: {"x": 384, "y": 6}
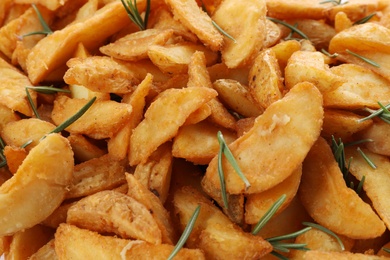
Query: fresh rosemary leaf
{"x": 335, "y": 2}
{"x": 372, "y": 63}
{"x": 229, "y": 156}
{"x": 223, "y": 31}
{"x": 222, "y": 176}
{"x": 287, "y": 246}
{"x": 368, "y": 160}
{"x": 46, "y": 29}
{"x": 383, "y": 113}
{"x": 26, "y": 144}
{"x": 334, "y": 55}
{"x": 365, "y": 19}
{"x": 360, "y": 185}
{"x": 3, "y": 160}
{"x": 186, "y": 233}
{"x": 48, "y": 89}
{"x": 292, "y": 28}
{"x": 387, "y": 250}
{"x": 73, "y": 118}
{"x": 288, "y": 236}
{"x": 327, "y": 231}
{"x": 362, "y": 141}
{"x": 268, "y": 215}
{"x": 34, "y": 109}
{"x": 134, "y": 15}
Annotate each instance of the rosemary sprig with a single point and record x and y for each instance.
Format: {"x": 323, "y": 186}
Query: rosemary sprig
{"x": 186, "y": 233}
{"x": 73, "y": 118}
{"x": 364, "y": 19}
{"x": 268, "y": 215}
{"x": 360, "y": 185}
{"x": 46, "y": 29}
{"x": 292, "y": 28}
{"x": 48, "y": 89}
{"x": 327, "y": 231}
{"x": 134, "y": 15}
{"x": 222, "y": 31}
{"x": 368, "y": 160}
{"x": 3, "y": 160}
{"x": 334, "y": 55}
{"x": 34, "y": 109}
{"x": 387, "y": 250}
{"x": 383, "y": 113}
{"x": 371, "y": 62}
{"x": 224, "y": 149}
{"x": 335, "y": 2}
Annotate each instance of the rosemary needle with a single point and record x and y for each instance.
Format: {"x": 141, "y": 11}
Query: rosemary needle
{"x": 34, "y": 109}
{"x": 368, "y": 160}
{"x": 186, "y": 233}
{"x": 292, "y": 28}
{"x": 46, "y": 29}
{"x": 371, "y": 62}
{"x": 268, "y": 215}
{"x": 134, "y": 15}
{"x": 327, "y": 231}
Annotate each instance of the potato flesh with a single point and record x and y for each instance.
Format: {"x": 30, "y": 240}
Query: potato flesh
{"x": 48, "y": 169}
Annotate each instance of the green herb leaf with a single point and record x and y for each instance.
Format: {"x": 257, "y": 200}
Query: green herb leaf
{"x": 364, "y": 19}
{"x": 46, "y": 29}
{"x": 34, "y": 109}
{"x": 288, "y": 236}
{"x": 335, "y": 2}
{"x": 134, "y": 15}
{"x": 230, "y": 157}
{"x": 360, "y": 185}
{"x": 368, "y": 160}
{"x": 222, "y": 176}
{"x": 292, "y": 28}
{"x": 268, "y": 215}
{"x": 327, "y": 231}
{"x": 387, "y": 250}
{"x": 48, "y": 89}
{"x": 73, "y": 118}
{"x": 383, "y": 113}
{"x": 26, "y": 144}
{"x": 334, "y": 55}
{"x": 371, "y": 62}
{"x": 186, "y": 233}
{"x": 3, "y": 160}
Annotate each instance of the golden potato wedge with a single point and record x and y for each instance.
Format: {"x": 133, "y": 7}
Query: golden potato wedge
{"x": 155, "y": 173}
{"x": 257, "y": 204}
{"x": 245, "y": 21}
{"x": 376, "y": 180}
{"x": 94, "y": 122}
{"x": 114, "y": 212}
{"x": 342, "y": 124}
{"x": 50, "y": 4}
{"x": 53, "y": 51}
{"x": 288, "y": 9}
{"x": 143, "y": 195}
{"x": 84, "y": 149}
{"x": 14, "y": 157}
{"x": 330, "y": 202}
{"x": 118, "y": 145}
{"x": 355, "y": 10}
{"x": 317, "y": 254}
{"x": 198, "y": 115}
{"x": 46, "y": 252}
{"x": 135, "y": 46}
{"x": 283, "y": 52}
{"x": 26, "y": 242}
{"x": 363, "y": 88}
{"x": 163, "y": 119}
{"x": 72, "y": 242}
{"x": 18, "y": 133}
{"x": 96, "y": 175}
{"x": 265, "y": 79}
{"x": 237, "y": 97}
{"x": 5, "y": 7}
{"x": 273, "y": 35}
{"x": 311, "y": 67}
{"x": 47, "y": 168}
{"x": 299, "y": 112}
{"x": 197, "y": 143}
{"x": 342, "y": 22}
{"x": 369, "y": 40}
{"x": 221, "y": 71}
{"x": 7, "y": 115}
{"x": 174, "y": 58}
{"x": 378, "y": 132}
{"x": 58, "y": 216}
{"x": 213, "y": 232}
{"x": 28, "y": 22}
{"x": 318, "y": 240}
{"x": 101, "y": 74}
{"x": 13, "y": 89}
{"x": 192, "y": 17}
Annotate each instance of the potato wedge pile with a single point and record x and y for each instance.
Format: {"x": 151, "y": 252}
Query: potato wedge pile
{"x": 190, "y": 129}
